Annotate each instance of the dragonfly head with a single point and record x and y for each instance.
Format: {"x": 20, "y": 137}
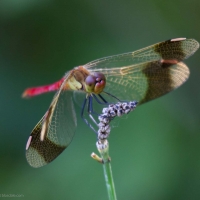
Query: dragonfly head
{"x": 95, "y": 83}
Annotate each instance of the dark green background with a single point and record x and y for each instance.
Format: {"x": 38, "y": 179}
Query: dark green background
{"x": 155, "y": 152}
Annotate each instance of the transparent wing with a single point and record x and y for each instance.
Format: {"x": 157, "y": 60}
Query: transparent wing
{"x": 54, "y": 131}
{"x": 178, "y": 49}
{"x": 147, "y": 73}
{"x": 147, "y": 81}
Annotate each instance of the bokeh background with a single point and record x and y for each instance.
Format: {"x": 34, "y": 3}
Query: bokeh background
{"x": 155, "y": 152}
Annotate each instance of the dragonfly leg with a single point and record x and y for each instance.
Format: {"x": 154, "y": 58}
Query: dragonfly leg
{"x": 82, "y": 115}
{"x": 90, "y": 105}
{"x": 91, "y": 111}
{"x": 103, "y": 102}
{"x": 112, "y": 96}
{"x": 101, "y": 129}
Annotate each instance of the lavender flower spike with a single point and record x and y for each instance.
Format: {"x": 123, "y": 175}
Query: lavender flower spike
{"x": 109, "y": 113}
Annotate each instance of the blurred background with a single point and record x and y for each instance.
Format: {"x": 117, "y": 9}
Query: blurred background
{"x": 155, "y": 152}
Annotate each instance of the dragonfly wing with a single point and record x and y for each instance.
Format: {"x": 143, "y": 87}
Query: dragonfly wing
{"x": 54, "y": 131}
{"x": 147, "y": 81}
{"x": 148, "y": 73}
{"x": 79, "y": 97}
{"x": 179, "y": 49}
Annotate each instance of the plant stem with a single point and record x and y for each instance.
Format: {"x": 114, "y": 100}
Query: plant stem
{"x": 109, "y": 181}
{"x": 107, "y": 170}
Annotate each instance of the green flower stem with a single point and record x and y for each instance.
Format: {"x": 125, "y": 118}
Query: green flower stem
{"x": 109, "y": 181}
{"x": 103, "y": 148}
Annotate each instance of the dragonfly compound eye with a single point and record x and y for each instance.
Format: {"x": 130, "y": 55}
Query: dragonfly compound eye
{"x": 99, "y": 76}
{"x": 90, "y": 82}
{"x": 100, "y": 82}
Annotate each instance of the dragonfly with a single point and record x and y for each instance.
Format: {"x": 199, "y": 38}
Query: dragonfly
{"x": 141, "y": 75}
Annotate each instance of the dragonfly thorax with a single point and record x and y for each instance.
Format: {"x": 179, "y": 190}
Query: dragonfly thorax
{"x": 95, "y": 83}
